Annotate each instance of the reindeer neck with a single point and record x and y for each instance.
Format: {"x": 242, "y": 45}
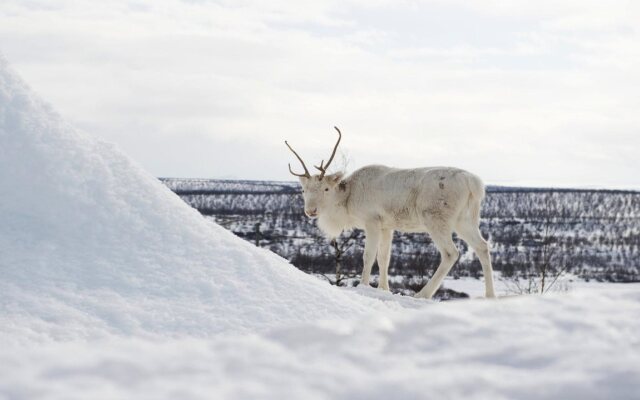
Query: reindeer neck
{"x": 337, "y": 219}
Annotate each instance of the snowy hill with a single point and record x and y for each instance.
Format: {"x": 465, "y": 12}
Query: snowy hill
{"x": 113, "y": 288}
{"x": 113, "y": 250}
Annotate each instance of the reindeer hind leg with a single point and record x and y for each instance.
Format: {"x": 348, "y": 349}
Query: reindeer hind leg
{"x": 448, "y": 257}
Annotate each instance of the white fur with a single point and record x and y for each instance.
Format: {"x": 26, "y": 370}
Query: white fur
{"x": 379, "y": 199}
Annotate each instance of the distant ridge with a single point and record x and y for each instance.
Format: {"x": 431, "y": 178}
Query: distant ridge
{"x": 293, "y": 187}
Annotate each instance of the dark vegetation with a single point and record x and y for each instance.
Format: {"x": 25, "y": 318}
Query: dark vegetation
{"x": 594, "y": 234}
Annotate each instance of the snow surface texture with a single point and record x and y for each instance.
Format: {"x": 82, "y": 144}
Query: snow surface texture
{"x": 114, "y": 288}
{"x": 578, "y": 346}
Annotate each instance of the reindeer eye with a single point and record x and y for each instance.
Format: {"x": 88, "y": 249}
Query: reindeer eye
{"x": 326, "y": 189}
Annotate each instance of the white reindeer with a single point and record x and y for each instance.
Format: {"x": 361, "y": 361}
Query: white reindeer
{"x": 379, "y": 199}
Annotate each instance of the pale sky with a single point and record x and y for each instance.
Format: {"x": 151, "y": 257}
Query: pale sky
{"x": 519, "y": 92}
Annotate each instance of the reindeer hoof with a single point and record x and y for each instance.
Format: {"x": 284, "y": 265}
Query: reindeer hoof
{"x": 421, "y": 295}
{"x": 363, "y": 284}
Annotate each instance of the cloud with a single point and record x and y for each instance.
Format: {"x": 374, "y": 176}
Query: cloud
{"x": 513, "y": 91}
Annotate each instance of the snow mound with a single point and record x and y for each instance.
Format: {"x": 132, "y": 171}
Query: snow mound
{"x": 91, "y": 245}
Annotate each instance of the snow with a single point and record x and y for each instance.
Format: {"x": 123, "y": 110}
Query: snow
{"x": 111, "y": 287}
{"x": 577, "y": 346}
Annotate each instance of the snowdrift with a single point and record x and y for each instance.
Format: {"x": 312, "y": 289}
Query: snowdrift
{"x": 92, "y": 244}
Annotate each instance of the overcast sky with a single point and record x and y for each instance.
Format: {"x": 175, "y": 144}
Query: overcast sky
{"x": 519, "y": 92}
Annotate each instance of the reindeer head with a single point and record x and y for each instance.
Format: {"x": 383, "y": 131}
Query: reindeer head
{"x": 317, "y": 190}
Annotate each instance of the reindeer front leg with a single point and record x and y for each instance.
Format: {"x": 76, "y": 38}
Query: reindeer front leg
{"x": 384, "y": 256}
{"x": 370, "y": 250}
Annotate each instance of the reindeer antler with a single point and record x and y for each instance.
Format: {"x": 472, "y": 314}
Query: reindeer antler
{"x": 323, "y": 168}
{"x": 306, "y": 171}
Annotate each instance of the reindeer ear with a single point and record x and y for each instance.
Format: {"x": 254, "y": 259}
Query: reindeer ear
{"x": 334, "y": 179}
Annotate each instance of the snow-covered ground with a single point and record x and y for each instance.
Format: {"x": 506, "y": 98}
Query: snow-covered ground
{"x": 578, "y": 346}
{"x": 114, "y": 288}
{"x": 507, "y": 287}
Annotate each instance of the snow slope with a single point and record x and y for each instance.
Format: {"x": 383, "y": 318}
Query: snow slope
{"x": 91, "y": 244}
